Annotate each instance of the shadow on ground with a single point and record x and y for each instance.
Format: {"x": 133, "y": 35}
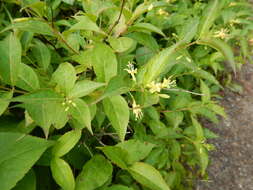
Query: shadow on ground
{"x": 232, "y": 162}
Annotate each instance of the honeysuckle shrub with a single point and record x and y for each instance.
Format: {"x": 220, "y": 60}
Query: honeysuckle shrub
{"x": 107, "y": 94}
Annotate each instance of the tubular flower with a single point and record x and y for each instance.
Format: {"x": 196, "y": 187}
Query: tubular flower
{"x": 131, "y": 70}
{"x": 151, "y": 6}
{"x": 223, "y": 33}
{"x": 137, "y": 110}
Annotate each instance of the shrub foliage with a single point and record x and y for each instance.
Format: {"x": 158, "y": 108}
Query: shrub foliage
{"x": 107, "y": 94}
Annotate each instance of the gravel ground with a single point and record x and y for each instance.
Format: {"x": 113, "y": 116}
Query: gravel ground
{"x": 232, "y": 161}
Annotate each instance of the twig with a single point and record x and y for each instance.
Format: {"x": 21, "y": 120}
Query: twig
{"x": 117, "y": 21}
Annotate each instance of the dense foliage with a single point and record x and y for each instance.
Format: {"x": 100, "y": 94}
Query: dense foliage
{"x": 107, "y": 94}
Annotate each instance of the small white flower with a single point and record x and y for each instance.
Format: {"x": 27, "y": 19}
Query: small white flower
{"x": 131, "y": 70}
{"x": 73, "y": 104}
{"x": 188, "y": 59}
{"x": 137, "y": 110}
{"x": 151, "y": 6}
{"x": 66, "y": 109}
{"x": 179, "y": 57}
{"x": 221, "y": 34}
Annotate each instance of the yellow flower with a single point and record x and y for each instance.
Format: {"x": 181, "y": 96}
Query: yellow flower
{"x": 221, "y": 34}
{"x": 131, "y": 70}
{"x": 151, "y": 6}
{"x": 168, "y": 83}
{"x": 137, "y": 110}
{"x": 162, "y": 12}
{"x": 154, "y": 87}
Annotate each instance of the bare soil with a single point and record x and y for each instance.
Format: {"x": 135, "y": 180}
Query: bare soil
{"x": 232, "y": 161}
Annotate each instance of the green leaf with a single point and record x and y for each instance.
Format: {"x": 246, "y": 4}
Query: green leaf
{"x": 85, "y": 23}
{"x": 189, "y": 31}
{"x": 116, "y": 154}
{"x": 10, "y": 58}
{"x": 43, "y": 107}
{"x": 221, "y": 46}
{"x": 217, "y": 109}
{"x": 66, "y": 142}
{"x": 94, "y": 173}
{"x": 70, "y": 2}
{"x": 31, "y": 25}
{"x": 174, "y": 118}
{"x": 104, "y": 62}
{"x": 136, "y": 150}
{"x": 206, "y": 97}
{"x": 27, "y": 78}
{"x": 118, "y": 187}
{"x": 81, "y": 113}
{"x": 117, "y": 111}
{"x": 157, "y": 65}
{"x": 121, "y": 44}
{"x": 27, "y": 183}
{"x": 145, "y": 7}
{"x": 210, "y": 14}
{"x": 83, "y": 88}
{"x": 18, "y": 154}
{"x": 5, "y": 100}
{"x": 146, "y": 27}
{"x": 62, "y": 174}
{"x": 203, "y": 157}
{"x": 145, "y": 39}
{"x": 198, "y": 130}
{"x": 148, "y": 176}
{"x": 65, "y": 77}
{"x": 42, "y": 54}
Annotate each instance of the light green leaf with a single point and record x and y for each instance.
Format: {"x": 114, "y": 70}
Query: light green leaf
{"x": 18, "y": 154}
{"x": 221, "y": 46}
{"x": 62, "y": 174}
{"x": 189, "y": 31}
{"x": 85, "y": 23}
{"x": 70, "y": 2}
{"x": 27, "y": 79}
{"x": 198, "y": 130}
{"x": 116, "y": 154}
{"x": 121, "y": 44}
{"x": 118, "y": 187}
{"x": 94, "y": 173}
{"x": 117, "y": 111}
{"x": 157, "y": 64}
{"x": 210, "y": 14}
{"x": 10, "y": 58}
{"x": 136, "y": 150}
{"x": 148, "y": 176}
{"x": 66, "y": 142}
{"x": 65, "y": 77}
{"x": 206, "y": 97}
{"x": 145, "y": 7}
{"x": 81, "y": 113}
{"x": 104, "y": 62}
{"x": 27, "y": 183}
{"x": 146, "y": 27}
{"x": 31, "y": 25}
{"x": 217, "y": 109}
{"x": 42, "y": 54}
{"x": 174, "y": 118}
{"x": 203, "y": 157}
{"x": 83, "y": 88}
{"x": 43, "y": 107}
{"x": 5, "y": 100}
{"x": 145, "y": 39}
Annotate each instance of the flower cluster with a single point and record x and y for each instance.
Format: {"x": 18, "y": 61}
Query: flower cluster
{"x": 137, "y": 110}
{"x": 131, "y": 70}
{"x": 67, "y": 103}
{"x": 157, "y": 87}
{"x": 222, "y": 33}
